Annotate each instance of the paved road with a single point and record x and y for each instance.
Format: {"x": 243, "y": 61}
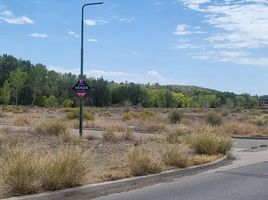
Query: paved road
{"x": 245, "y": 179}
{"x": 244, "y": 183}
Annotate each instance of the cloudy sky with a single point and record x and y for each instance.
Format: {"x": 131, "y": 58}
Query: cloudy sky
{"x": 220, "y": 44}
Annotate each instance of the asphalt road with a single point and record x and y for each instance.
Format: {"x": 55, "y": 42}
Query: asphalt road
{"x": 244, "y": 183}
{"x": 245, "y": 179}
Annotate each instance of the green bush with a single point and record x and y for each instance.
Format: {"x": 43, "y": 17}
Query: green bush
{"x": 214, "y": 119}
{"x": 175, "y": 116}
{"x": 68, "y": 103}
{"x": 206, "y": 141}
{"x": 51, "y": 101}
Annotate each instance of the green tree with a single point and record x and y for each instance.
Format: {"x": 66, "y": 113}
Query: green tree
{"x": 5, "y": 93}
{"x": 17, "y": 80}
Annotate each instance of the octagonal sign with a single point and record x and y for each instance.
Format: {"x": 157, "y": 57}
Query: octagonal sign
{"x": 81, "y": 88}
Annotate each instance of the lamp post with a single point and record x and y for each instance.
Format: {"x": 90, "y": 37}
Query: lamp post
{"x": 82, "y": 63}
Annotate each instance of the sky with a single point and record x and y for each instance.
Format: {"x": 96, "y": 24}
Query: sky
{"x": 220, "y": 44}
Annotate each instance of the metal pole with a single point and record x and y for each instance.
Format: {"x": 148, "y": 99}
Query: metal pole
{"x": 82, "y": 64}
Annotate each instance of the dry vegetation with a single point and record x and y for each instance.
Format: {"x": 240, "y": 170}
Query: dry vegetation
{"x": 40, "y": 148}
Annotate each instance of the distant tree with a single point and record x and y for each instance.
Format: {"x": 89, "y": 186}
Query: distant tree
{"x": 5, "y": 93}
{"x": 17, "y": 80}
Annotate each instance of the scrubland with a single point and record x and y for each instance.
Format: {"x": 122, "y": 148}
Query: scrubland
{"x": 40, "y": 148}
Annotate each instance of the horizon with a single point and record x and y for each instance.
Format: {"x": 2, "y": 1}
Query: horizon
{"x": 219, "y": 46}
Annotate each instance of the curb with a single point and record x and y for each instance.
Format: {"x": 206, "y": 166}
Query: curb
{"x": 249, "y": 137}
{"x": 99, "y": 189}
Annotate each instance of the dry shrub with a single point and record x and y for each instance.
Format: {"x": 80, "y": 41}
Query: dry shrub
{"x": 175, "y": 116}
{"x": 7, "y": 141}
{"x": 28, "y": 170}
{"x": 66, "y": 168}
{"x": 20, "y": 171}
{"x": 70, "y": 138}
{"x": 207, "y": 141}
{"x": 21, "y": 121}
{"x": 214, "y": 119}
{"x": 110, "y": 136}
{"x": 75, "y": 114}
{"x": 172, "y": 137}
{"x": 173, "y": 155}
{"x": 130, "y": 115}
{"x": 150, "y": 126}
{"x": 240, "y": 128}
{"x": 52, "y": 127}
{"x": 203, "y": 159}
{"x": 142, "y": 162}
{"x": 127, "y": 136}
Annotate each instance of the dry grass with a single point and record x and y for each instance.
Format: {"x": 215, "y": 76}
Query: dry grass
{"x": 174, "y": 155}
{"x": 52, "y": 127}
{"x": 28, "y": 170}
{"x": 21, "y": 121}
{"x": 75, "y": 113}
{"x": 203, "y": 159}
{"x": 142, "y": 162}
{"x": 240, "y": 128}
{"x": 110, "y": 136}
{"x": 207, "y": 141}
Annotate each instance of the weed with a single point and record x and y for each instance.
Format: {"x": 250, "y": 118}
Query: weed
{"x": 214, "y": 119}
{"x": 21, "y": 121}
{"x": 110, "y": 136}
{"x": 203, "y": 159}
{"x": 206, "y": 141}
{"x": 127, "y": 136}
{"x": 75, "y": 113}
{"x": 52, "y": 127}
{"x": 142, "y": 162}
{"x": 174, "y": 156}
{"x": 175, "y": 116}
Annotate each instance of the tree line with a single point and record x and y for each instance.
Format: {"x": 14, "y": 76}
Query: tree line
{"x": 24, "y": 83}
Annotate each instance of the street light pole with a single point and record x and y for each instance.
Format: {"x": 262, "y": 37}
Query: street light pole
{"x": 82, "y": 64}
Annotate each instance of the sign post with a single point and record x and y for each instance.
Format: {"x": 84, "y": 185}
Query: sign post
{"x": 82, "y": 65}
{"x": 81, "y": 88}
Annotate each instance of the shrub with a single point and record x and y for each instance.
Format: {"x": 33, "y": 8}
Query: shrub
{"x": 141, "y": 162}
{"x": 175, "y": 116}
{"x": 110, "y": 136}
{"x": 208, "y": 142}
{"x": 214, "y": 119}
{"x": 51, "y": 101}
{"x": 68, "y": 103}
{"x": 239, "y": 128}
{"x": 20, "y": 171}
{"x": 127, "y": 136}
{"x": 28, "y": 170}
{"x": 172, "y": 137}
{"x": 52, "y": 127}
{"x": 174, "y": 156}
{"x": 65, "y": 168}
{"x": 75, "y": 114}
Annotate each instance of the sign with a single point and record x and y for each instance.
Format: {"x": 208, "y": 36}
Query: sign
{"x": 81, "y": 88}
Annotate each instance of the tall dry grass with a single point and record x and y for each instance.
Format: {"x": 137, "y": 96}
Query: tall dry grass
{"x": 142, "y": 162}
{"x": 26, "y": 170}
{"x": 207, "y": 141}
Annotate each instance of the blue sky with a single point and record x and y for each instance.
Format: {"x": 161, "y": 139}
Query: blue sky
{"x": 215, "y": 44}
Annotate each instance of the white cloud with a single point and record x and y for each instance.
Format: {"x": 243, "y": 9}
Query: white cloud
{"x": 7, "y": 16}
{"x": 237, "y": 25}
{"x": 181, "y": 30}
{"x": 91, "y": 22}
{"x": 92, "y": 40}
{"x": 39, "y": 35}
{"x": 73, "y": 34}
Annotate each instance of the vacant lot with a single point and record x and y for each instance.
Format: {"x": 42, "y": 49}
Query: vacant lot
{"x": 40, "y": 148}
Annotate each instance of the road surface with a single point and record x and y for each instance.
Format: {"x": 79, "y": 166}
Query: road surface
{"x": 245, "y": 179}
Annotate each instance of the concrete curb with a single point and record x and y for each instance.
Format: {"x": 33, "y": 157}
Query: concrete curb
{"x": 250, "y": 137}
{"x": 99, "y": 189}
